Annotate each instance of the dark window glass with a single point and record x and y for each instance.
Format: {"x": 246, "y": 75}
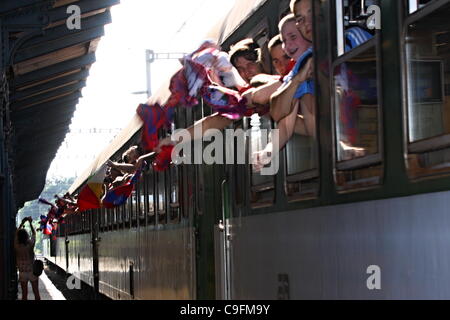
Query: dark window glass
{"x": 427, "y": 64}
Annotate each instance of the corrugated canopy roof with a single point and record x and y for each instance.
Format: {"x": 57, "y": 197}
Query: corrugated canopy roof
{"x": 48, "y": 71}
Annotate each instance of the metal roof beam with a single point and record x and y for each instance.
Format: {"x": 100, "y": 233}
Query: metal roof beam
{"x": 32, "y": 152}
{"x": 6, "y": 6}
{"x": 38, "y": 132}
{"x": 49, "y": 85}
{"x": 86, "y": 6}
{"x": 62, "y": 31}
{"x": 21, "y": 115}
{"x": 29, "y": 103}
{"x": 69, "y": 41}
{"x": 54, "y": 70}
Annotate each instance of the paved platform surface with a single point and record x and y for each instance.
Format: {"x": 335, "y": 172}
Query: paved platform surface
{"x": 47, "y": 290}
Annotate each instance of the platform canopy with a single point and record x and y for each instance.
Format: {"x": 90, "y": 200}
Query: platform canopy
{"x": 47, "y": 64}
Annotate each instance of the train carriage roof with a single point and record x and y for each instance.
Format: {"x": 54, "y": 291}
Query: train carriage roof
{"x": 48, "y": 64}
{"x": 220, "y": 32}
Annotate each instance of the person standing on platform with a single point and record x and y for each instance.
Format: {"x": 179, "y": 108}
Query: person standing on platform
{"x": 24, "y": 249}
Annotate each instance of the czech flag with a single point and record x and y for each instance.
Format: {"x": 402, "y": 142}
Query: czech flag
{"x": 48, "y": 228}
{"x": 90, "y": 195}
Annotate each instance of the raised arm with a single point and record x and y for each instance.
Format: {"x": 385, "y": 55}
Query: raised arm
{"x": 281, "y": 102}
{"x": 124, "y": 167}
{"x": 262, "y": 94}
{"x": 30, "y": 220}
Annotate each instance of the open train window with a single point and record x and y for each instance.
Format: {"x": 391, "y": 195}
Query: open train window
{"x": 175, "y": 173}
{"x": 161, "y": 197}
{"x": 260, "y": 35}
{"x": 132, "y": 201}
{"x": 414, "y": 5}
{"x": 239, "y": 169}
{"x": 113, "y": 219}
{"x": 302, "y": 174}
{"x": 118, "y": 214}
{"x": 123, "y": 212}
{"x": 189, "y": 191}
{"x": 150, "y": 197}
{"x": 140, "y": 192}
{"x": 357, "y": 104}
{"x": 354, "y": 24}
{"x": 127, "y": 214}
{"x": 427, "y": 69}
{"x": 262, "y": 186}
{"x": 110, "y": 219}
{"x": 174, "y": 193}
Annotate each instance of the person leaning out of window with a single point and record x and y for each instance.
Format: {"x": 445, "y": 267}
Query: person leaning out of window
{"x": 24, "y": 249}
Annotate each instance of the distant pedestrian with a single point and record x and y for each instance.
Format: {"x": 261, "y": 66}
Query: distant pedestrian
{"x": 24, "y": 248}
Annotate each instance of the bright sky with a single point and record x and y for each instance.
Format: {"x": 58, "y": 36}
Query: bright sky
{"x": 108, "y": 101}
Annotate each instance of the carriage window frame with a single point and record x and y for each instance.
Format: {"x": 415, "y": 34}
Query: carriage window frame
{"x": 239, "y": 171}
{"x": 140, "y": 203}
{"x": 338, "y": 13}
{"x": 132, "y": 206}
{"x": 412, "y": 7}
{"x": 181, "y": 115}
{"x": 431, "y": 144}
{"x": 268, "y": 189}
{"x": 175, "y": 207}
{"x": 161, "y": 213}
{"x": 371, "y": 160}
{"x": 151, "y": 198}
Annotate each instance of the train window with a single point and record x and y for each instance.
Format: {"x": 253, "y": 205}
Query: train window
{"x": 356, "y": 102}
{"x": 414, "y": 5}
{"x": 161, "y": 197}
{"x": 427, "y": 53}
{"x": 357, "y": 111}
{"x": 239, "y": 170}
{"x": 260, "y": 35}
{"x": 174, "y": 185}
{"x": 262, "y": 185}
{"x": 353, "y": 26}
{"x": 302, "y": 174}
{"x": 102, "y": 219}
{"x": 142, "y": 199}
{"x": 114, "y": 218}
{"x": 123, "y": 215}
{"x": 105, "y": 219}
{"x": 109, "y": 218}
{"x": 132, "y": 206}
{"x": 200, "y": 189}
{"x": 140, "y": 204}
{"x": 189, "y": 207}
{"x": 118, "y": 213}
{"x": 126, "y": 211}
{"x": 150, "y": 198}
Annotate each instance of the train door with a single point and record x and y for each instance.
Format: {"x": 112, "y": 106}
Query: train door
{"x": 95, "y": 243}
{"x": 66, "y": 246}
{"x": 222, "y": 244}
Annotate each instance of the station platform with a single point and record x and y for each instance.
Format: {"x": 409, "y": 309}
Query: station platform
{"x": 47, "y": 290}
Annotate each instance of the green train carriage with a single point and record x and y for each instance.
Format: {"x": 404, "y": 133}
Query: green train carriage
{"x": 319, "y": 226}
